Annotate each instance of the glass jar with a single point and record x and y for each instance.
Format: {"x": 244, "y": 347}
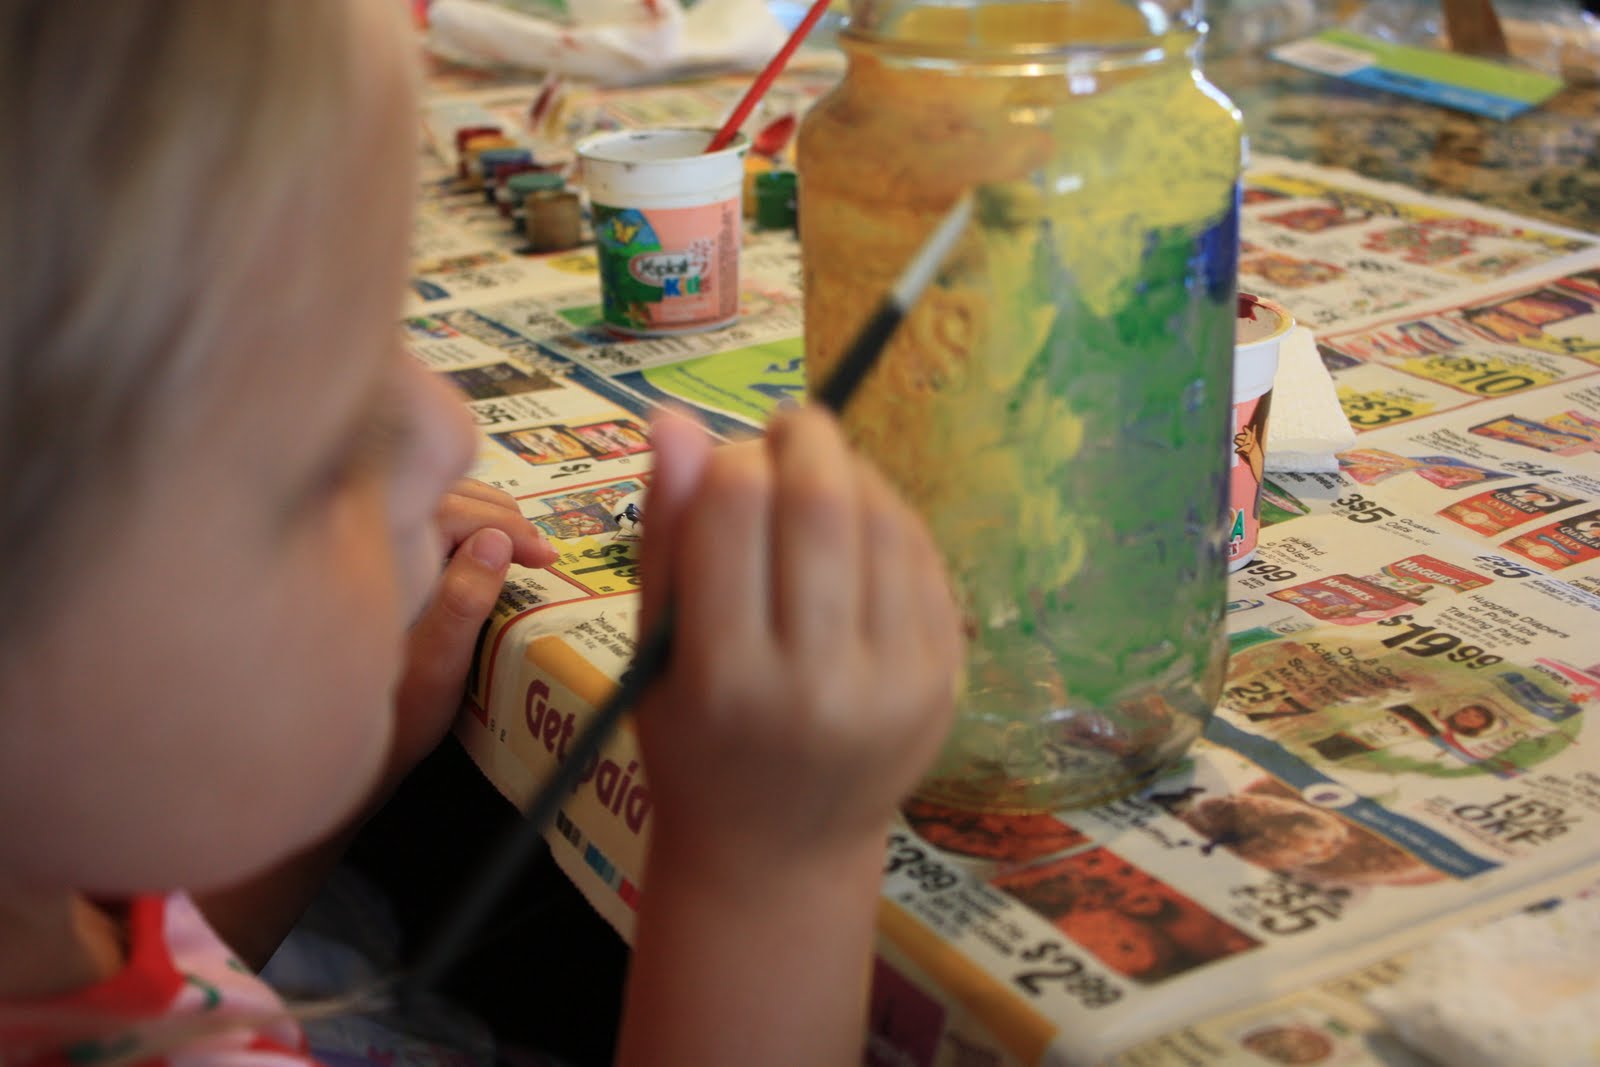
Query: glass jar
{"x": 1057, "y": 405}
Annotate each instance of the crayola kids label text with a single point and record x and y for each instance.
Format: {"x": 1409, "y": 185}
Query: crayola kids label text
{"x": 669, "y": 270}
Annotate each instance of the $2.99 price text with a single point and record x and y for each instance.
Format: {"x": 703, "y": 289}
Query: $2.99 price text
{"x": 1052, "y": 967}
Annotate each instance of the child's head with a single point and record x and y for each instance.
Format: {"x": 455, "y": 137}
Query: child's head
{"x": 218, "y": 469}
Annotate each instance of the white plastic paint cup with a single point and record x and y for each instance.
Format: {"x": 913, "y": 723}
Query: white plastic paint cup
{"x": 1259, "y": 332}
{"x": 667, "y": 222}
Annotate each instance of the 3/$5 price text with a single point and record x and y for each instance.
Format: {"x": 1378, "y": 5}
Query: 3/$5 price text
{"x": 1055, "y": 969}
{"x": 1359, "y": 509}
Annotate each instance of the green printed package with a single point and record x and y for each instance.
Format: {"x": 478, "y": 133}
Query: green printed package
{"x": 1466, "y": 83}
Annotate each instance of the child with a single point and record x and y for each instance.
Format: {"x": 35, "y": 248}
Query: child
{"x": 224, "y": 494}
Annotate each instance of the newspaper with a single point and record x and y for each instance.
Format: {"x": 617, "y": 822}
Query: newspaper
{"x": 1398, "y": 748}
{"x": 1332, "y": 1024}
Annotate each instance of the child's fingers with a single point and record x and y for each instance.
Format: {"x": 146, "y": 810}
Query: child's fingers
{"x": 529, "y": 547}
{"x": 817, "y": 532}
{"x": 472, "y": 487}
{"x": 441, "y": 644}
{"x": 721, "y": 562}
{"x": 460, "y": 516}
{"x": 680, "y": 450}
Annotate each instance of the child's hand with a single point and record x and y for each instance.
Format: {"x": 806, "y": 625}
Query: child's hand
{"x": 483, "y": 532}
{"x": 813, "y": 673}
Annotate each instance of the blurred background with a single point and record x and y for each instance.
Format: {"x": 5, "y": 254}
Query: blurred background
{"x": 1559, "y": 37}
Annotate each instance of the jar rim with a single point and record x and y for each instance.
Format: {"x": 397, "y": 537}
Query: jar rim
{"x": 1179, "y": 41}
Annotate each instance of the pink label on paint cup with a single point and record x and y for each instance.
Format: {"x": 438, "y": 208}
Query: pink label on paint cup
{"x": 667, "y": 225}
{"x": 665, "y": 269}
{"x": 1261, "y": 327}
{"x": 1245, "y": 475}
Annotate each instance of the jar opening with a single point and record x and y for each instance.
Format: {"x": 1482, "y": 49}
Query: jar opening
{"x": 1010, "y": 30}
{"x": 1037, "y": 35}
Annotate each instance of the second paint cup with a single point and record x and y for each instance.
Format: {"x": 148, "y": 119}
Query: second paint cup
{"x": 1260, "y": 331}
{"x": 667, "y": 223}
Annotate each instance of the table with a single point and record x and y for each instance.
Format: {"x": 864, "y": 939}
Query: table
{"x": 1448, "y": 565}
{"x": 1544, "y": 164}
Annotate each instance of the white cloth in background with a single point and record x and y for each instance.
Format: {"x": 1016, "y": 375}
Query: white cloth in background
{"x": 1306, "y": 426}
{"x": 1517, "y": 992}
{"x": 611, "y": 42}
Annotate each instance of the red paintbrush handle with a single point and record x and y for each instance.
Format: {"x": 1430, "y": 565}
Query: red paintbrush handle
{"x": 725, "y": 136}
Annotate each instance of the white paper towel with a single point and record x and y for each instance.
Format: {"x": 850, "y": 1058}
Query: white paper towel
{"x": 1523, "y": 990}
{"x": 611, "y": 42}
{"x": 1306, "y": 426}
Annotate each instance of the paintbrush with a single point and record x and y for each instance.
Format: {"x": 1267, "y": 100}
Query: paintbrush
{"x": 506, "y": 861}
{"x": 764, "y": 80}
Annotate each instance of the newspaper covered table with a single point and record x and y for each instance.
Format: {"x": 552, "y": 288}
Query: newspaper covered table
{"x": 1398, "y": 747}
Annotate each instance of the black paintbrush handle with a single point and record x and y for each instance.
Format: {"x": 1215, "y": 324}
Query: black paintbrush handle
{"x": 504, "y": 862}
{"x": 500, "y": 868}
{"x": 860, "y": 357}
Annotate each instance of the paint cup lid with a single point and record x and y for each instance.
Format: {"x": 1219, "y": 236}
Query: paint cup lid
{"x": 1260, "y": 320}
{"x": 621, "y": 167}
{"x": 486, "y": 142}
{"x": 500, "y": 187}
{"x": 467, "y": 133}
{"x": 504, "y": 171}
{"x": 493, "y": 157}
{"x": 530, "y": 181}
{"x": 777, "y": 181}
{"x": 775, "y": 199}
{"x": 657, "y": 147}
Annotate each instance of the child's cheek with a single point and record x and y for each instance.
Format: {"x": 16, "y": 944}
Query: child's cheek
{"x": 419, "y": 557}
{"x": 447, "y": 438}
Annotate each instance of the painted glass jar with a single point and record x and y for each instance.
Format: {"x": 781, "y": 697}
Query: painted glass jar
{"x": 1057, "y": 405}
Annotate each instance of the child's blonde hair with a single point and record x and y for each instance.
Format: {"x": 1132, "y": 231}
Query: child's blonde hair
{"x": 148, "y": 152}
